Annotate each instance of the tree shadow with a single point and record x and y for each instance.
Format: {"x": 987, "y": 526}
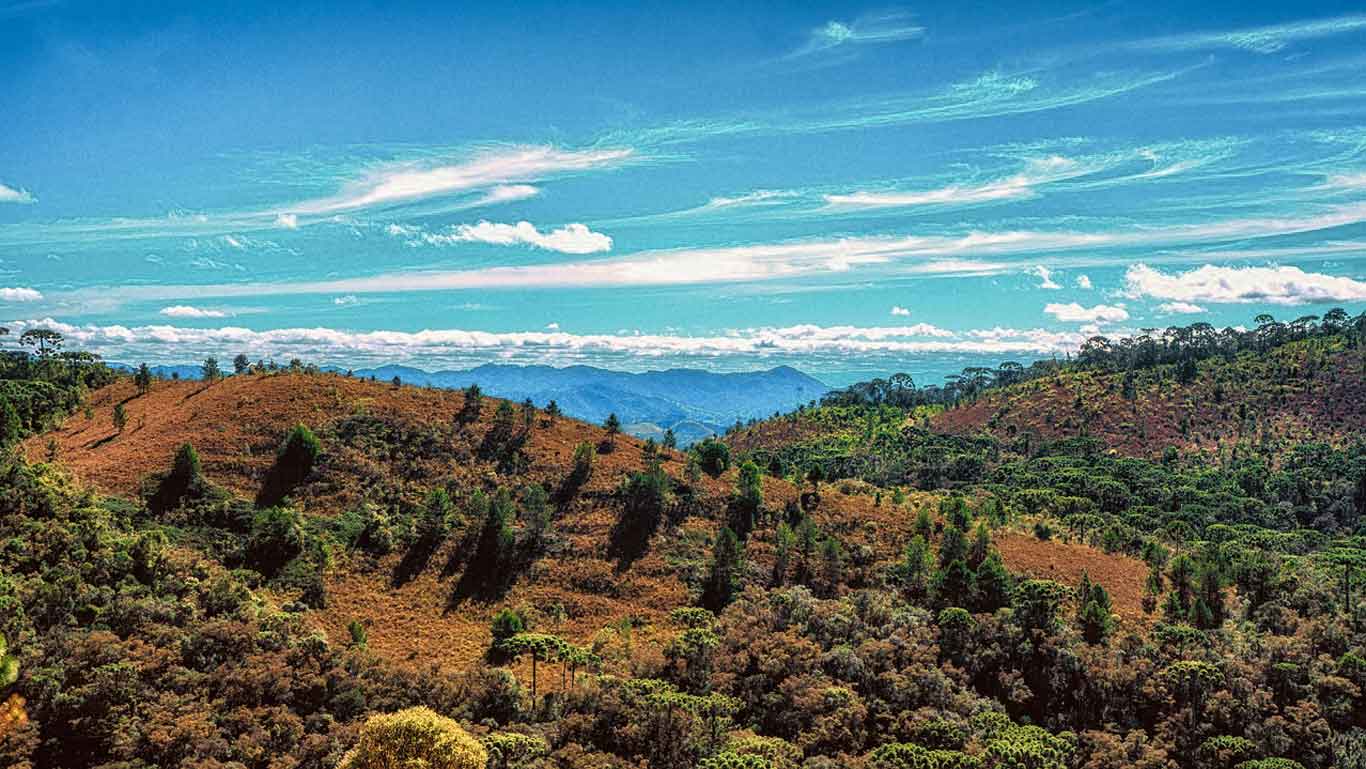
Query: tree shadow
{"x": 414, "y": 561}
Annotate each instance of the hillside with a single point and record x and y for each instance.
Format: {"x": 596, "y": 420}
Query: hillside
{"x": 391, "y": 445}
{"x": 694, "y": 403}
{"x": 682, "y": 605}
{"x": 1306, "y": 390}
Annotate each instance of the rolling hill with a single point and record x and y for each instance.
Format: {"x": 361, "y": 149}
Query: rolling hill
{"x": 693, "y": 403}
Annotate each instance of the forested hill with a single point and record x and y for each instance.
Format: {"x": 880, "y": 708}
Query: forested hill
{"x": 1187, "y": 389}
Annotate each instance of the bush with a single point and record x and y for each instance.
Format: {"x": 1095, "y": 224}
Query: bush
{"x": 416, "y": 738}
{"x": 276, "y": 538}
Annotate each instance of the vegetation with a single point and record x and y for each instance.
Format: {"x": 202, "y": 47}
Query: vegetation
{"x": 850, "y": 585}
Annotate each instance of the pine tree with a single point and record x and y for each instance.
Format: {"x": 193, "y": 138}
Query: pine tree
{"x": 724, "y": 578}
{"x": 915, "y": 568}
{"x": 953, "y": 546}
{"x": 120, "y": 417}
{"x": 143, "y": 379}
{"x": 994, "y": 583}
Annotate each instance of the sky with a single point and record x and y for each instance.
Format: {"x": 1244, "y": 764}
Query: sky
{"x": 852, "y": 190}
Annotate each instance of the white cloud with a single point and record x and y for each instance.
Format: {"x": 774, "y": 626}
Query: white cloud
{"x": 14, "y": 195}
{"x": 496, "y": 170}
{"x": 507, "y": 193}
{"x": 186, "y": 311}
{"x": 1038, "y": 171}
{"x": 1180, "y": 308}
{"x": 758, "y": 197}
{"x": 569, "y": 239}
{"x": 1084, "y": 282}
{"x": 1045, "y": 277}
{"x": 342, "y": 301}
{"x": 1266, "y": 40}
{"x": 1075, "y": 313}
{"x": 20, "y": 294}
{"x": 324, "y": 344}
{"x": 287, "y": 221}
{"x": 900, "y": 311}
{"x": 1271, "y": 285}
{"x": 552, "y": 327}
{"x": 889, "y": 27}
{"x": 1349, "y": 181}
{"x": 233, "y": 242}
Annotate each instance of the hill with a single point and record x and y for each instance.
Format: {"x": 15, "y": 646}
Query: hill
{"x": 333, "y": 547}
{"x": 693, "y": 403}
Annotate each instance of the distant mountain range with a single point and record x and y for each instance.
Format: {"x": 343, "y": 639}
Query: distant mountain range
{"x": 693, "y": 403}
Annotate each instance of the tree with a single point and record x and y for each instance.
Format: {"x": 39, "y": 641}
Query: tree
{"x": 670, "y": 441}
{"x": 143, "y": 379}
{"x": 814, "y": 476}
{"x": 416, "y": 738}
{"x": 212, "y": 373}
{"x": 495, "y": 541}
{"x": 724, "y": 577}
{"x": 473, "y": 404}
{"x": 832, "y": 566}
{"x": 1094, "y": 612}
{"x": 584, "y": 453}
{"x": 293, "y": 463}
{"x": 241, "y": 364}
{"x": 915, "y": 567}
{"x": 552, "y": 411}
{"x": 994, "y": 583}
{"x": 540, "y": 647}
{"x": 45, "y": 340}
{"x": 953, "y": 584}
{"x": 11, "y": 426}
{"x": 120, "y": 417}
{"x": 528, "y": 414}
{"x": 749, "y": 488}
{"x": 1036, "y": 604}
{"x": 713, "y": 456}
{"x": 613, "y": 427}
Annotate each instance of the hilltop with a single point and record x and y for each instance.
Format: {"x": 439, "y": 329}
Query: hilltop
{"x": 691, "y": 402}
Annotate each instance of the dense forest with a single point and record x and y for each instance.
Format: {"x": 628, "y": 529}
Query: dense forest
{"x": 988, "y": 574}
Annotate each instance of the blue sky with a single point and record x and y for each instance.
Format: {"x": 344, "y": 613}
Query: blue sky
{"x": 848, "y": 189}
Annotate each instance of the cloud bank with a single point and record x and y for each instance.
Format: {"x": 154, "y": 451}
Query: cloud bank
{"x": 1242, "y": 285}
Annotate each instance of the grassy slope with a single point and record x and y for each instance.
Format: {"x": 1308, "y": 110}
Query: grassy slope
{"x": 237, "y": 423}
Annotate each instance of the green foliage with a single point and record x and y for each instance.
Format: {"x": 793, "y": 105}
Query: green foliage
{"x": 9, "y": 665}
{"x": 1036, "y": 604}
{"x": 724, "y": 578}
{"x": 509, "y": 750}
{"x": 120, "y": 417}
{"x": 713, "y": 456}
{"x": 293, "y": 463}
{"x": 11, "y": 428}
{"x": 276, "y": 538}
{"x": 749, "y": 487}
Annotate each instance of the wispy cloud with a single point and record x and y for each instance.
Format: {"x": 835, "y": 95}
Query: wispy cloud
{"x": 187, "y": 311}
{"x": 1084, "y": 282}
{"x": 569, "y": 239}
{"x": 15, "y": 195}
{"x": 1076, "y": 313}
{"x": 875, "y": 29}
{"x": 1242, "y": 285}
{"x": 20, "y": 294}
{"x": 1265, "y": 40}
{"x": 902, "y": 311}
{"x": 1021, "y": 185}
{"x": 500, "y": 172}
